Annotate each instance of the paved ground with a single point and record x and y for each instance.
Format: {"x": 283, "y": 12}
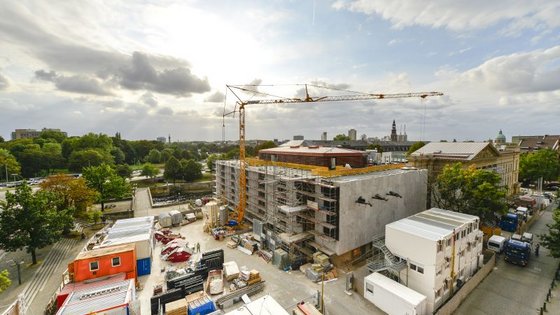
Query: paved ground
{"x": 288, "y": 288}
{"x": 511, "y": 289}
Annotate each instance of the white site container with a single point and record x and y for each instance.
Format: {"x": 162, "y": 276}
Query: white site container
{"x": 142, "y": 244}
{"x": 393, "y": 297}
{"x": 176, "y": 217}
{"x": 165, "y": 220}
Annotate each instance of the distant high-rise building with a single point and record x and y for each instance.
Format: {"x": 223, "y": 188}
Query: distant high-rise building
{"x": 298, "y": 137}
{"x": 161, "y": 139}
{"x": 31, "y": 133}
{"x": 352, "y": 133}
{"x": 324, "y": 136}
{"x": 394, "y": 136}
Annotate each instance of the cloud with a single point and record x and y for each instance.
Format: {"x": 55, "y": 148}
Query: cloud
{"x": 149, "y": 99}
{"x": 141, "y": 74}
{"x": 216, "y": 97}
{"x": 320, "y": 88}
{"x": 167, "y": 111}
{"x": 89, "y": 69}
{"x": 534, "y": 71}
{"x": 76, "y": 83}
{"x": 3, "y": 82}
{"x": 460, "y": 15}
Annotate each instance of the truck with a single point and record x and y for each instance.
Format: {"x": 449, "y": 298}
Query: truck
{"x": 509, "y": 222}
{"x": 496, "y": 243}
{"x": 517, "y": 252}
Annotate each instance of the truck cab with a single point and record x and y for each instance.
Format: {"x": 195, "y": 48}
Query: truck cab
{"x": 517, "y": 252}
{"x": 509, "y": 222}
{"x": 496, "y": 243}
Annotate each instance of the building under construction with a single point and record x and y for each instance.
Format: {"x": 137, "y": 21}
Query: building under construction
{"x": 321, "y": 201}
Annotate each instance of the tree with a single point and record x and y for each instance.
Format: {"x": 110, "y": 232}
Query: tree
{"x": 415, "y": 146}
{"x": 1, "y": 139}
{"x": 106, "y": 182}
{"x": 118, "y": 156}
{"x": 172, "y": 169}
{"x": 8, "y": 162}
{"x": 154, "y": 156}
{"x": 58, "y": 136}
{"x": 30, "y": 220}
{"x": 5, "y": 281}
{"x": 123, "y": 171}
{"x": 472, "y": 191}
{"x": 265, "y": 145}
{"x": 166, "y": 154}
{"x": 376, "y": 147}
{"x": 89, "y": 157}
{"x": 341, "y": 137}
{"x": 190, "y": 170}
{"x": 551, "y": 240}
{"x": 542, "y": 163}
{"x": 72, "y": 192}
{"x": 150, "y": 170}
{"x": 211, "y": 160}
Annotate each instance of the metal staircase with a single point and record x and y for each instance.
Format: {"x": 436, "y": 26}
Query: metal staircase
{"x": 386, "y": 261}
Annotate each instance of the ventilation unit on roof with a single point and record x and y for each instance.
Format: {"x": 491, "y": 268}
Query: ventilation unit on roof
{"x": 313, "y": 147}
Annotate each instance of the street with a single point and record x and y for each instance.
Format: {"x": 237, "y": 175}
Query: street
{"x": 511, "y": 289}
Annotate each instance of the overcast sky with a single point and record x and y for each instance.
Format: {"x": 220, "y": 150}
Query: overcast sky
{"x": 152, "y": 68}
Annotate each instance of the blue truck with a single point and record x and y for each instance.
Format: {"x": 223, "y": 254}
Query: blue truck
{"x": 517, "y": 252}
{"x": 509, "y": 222}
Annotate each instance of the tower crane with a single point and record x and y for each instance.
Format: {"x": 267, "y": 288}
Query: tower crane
{"x": 240, "y": 107}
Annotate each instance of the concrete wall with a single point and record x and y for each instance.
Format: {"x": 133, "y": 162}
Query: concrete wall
{"x": 358, "y": 222}
{"x": 451, "y": 305}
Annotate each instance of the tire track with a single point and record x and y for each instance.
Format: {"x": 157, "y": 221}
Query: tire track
{"x": 46, "y": 270}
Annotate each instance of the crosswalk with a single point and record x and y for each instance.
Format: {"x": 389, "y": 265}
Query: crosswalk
{"x": 46, "y": 270}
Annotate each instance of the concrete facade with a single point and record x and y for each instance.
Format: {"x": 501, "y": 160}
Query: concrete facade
{"x": 335, "y": 214}
{"x": 442, "y": 248}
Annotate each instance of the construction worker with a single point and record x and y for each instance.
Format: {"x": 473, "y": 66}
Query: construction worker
{"x": 537, "y": 249}
{"x": 197, "y": 247}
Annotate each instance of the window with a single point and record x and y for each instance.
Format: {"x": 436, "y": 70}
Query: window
{"x": 369, "y": 287}
{"x": 413, "y": 266}
{"x": 439, "y": 246}
{"x": 420, "y": 270}
{"x": 93, "y": 266}
{"x": 448, "y": 242}
{"x": 116, "y": 261}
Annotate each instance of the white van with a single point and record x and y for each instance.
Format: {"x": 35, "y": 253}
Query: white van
{"x": 496, "y": 243}
{"x": 527, "y": 238}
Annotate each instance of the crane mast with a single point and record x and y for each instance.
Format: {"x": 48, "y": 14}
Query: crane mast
{"x": 240, "y": 209}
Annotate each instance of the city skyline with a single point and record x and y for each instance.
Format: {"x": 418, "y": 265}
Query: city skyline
{"x": 153, "y": 68}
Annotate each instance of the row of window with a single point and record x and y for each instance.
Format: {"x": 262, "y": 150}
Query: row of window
{"x": 94, "y": 265}
{"x": 459, "y": 235}
{"x": 417, "y": 268}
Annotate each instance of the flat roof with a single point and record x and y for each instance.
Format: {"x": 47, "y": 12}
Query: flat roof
{"x": 105, "y": 251}
{"x": 453, "y": 150}
{"x": 433, "y": 224}
{"x": 265, "y": 305}
{"x": 98, "y": 298}
{"x": 312, "y": 150}
{"x": 396, "y": 288}
{"x": 358, "y": 177}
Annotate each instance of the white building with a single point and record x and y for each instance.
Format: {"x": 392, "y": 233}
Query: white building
{"x": 352, "y": 134}
{"x": 443, "y": 249}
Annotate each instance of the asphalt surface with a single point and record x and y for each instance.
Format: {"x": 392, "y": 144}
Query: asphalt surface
{"x": 511, "y": 289}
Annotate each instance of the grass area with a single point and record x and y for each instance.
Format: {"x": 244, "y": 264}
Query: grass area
{"x": 205, "y": 177}
{"x": 138, "y": 167}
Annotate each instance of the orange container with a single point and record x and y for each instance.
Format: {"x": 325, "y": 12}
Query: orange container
{"x": 104, "y": 262}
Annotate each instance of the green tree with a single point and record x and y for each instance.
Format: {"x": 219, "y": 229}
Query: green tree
{"x": 58, "y": 136}
{"x": 1, "y": 139}
{"x": 124, "y": 170}
{"x": 542, "y": 163}
{"x": 95, "y": 216}
{"x": 106, "y": 182}
{"x": 415, "y": 146}
{"x": 264, "y": 145}
{"x": 172, "y": 169}
{"x": 5, "y": 281}
{"x": 150, "y": 170}
{"x": 118, "y": 156}
{"x": 8, "y": 163}
{"x": 211, "y": 160}
{"x": 472, "y": 191}
{"x": 551, "y": 240}
{"x": 94, "y": 141}
{"x": 89, "y": 157}
{"x": 154, "y": 156}
{"x": 190, "y": 170}
{"x": 341, "y": 137}
{"x": 166, "y": 154}
{"x": 30, "y": 220}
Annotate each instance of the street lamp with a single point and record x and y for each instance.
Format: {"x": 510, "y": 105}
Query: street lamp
{"x": 13, "y": 263}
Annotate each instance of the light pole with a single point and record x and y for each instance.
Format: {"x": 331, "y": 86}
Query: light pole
{"x": 6, "y": 169}
{"x": 18, "y": 264}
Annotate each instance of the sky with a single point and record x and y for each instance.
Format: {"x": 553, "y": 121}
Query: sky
{"x": 149, "y": 68}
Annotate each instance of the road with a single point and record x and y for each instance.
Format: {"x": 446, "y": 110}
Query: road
{"x": 511, "y": 289}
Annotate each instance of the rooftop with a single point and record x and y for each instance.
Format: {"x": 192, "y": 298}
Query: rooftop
{"x": 311, "y": 150}
{"x": 105, "y": 251}
{"x": 396, "y": 288}
{"x": 95, "y": 298}
{"x": 453, "y": 150}
{"x": 432, "y": 224}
